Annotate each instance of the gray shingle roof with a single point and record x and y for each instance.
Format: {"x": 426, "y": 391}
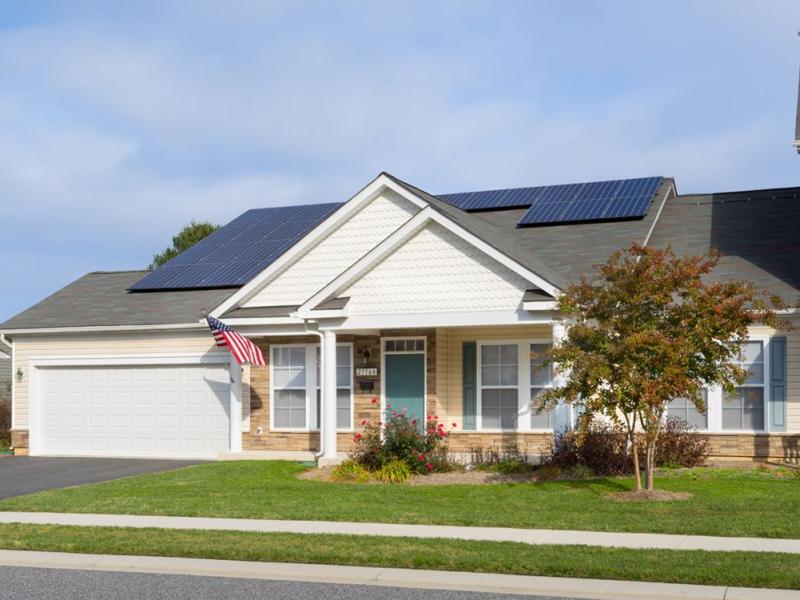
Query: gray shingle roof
{"x": 756, "y": 232}
{"x": 99, "y": 299}
{"x": 572, "y": 249}
{"x": 491, "y": 234}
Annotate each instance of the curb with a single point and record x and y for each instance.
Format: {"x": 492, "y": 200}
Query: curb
{"x": 588, "y": 589}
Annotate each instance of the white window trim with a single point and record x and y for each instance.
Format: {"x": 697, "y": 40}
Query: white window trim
{"x": 424, "y": 353}
{"x": 714, "y": 398}
{"x": 311, "y": 389}
{"x": 523, "y": 385}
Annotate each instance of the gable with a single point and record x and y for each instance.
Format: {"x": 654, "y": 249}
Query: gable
{"x": 335, "y": 253}
{"x": 435, "y": 270}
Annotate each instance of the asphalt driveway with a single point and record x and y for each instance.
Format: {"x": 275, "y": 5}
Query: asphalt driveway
{"x": 24, "y": 474}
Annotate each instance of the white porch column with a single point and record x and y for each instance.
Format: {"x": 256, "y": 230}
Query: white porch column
{"x": 562, "y": 420}
{"x": 328, "y": 409}
{"x": 236, "y": 407}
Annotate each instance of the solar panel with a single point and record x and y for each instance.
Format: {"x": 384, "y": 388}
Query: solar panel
{"x": 596, "y": 201}
{"x": 233, "y": 255}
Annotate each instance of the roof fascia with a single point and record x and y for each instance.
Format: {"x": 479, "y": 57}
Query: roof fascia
{"x": 360, "y": 199}
{"x": 103, "y": 328}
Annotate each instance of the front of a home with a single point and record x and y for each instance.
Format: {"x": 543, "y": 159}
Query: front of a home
{"x": 396, "y": 297}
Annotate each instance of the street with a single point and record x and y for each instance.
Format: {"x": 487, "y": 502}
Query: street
{"x": 26, "y": 583}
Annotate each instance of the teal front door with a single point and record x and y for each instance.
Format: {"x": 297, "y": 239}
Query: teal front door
{"x": 405, "y": 384}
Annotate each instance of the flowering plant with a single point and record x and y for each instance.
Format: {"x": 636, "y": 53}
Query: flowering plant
{"x": 422, "y": 447}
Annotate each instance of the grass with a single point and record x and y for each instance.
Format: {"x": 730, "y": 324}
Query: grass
{"x": 727, "y": 502}
{"x": 746, "y": 569}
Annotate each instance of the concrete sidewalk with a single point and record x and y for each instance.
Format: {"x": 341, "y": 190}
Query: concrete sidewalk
{"x": 494, "y": 534}
{"x": 595, "y": 589}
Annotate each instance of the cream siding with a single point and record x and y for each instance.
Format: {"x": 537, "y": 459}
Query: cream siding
{"x": 436, "y": 271}
{"x": 106, "y": 345}
{"x": 449, "y": 359}
{"x": 344, "y": 246}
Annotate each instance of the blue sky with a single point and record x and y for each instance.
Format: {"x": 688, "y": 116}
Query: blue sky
{"x": 121, "y": 125}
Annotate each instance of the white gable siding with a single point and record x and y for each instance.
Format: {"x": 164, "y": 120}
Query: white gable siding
{"x": 354, "y": 238}
{"x": 436, "y": 271}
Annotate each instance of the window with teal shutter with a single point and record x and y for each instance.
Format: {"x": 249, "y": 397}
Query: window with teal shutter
{"x": 777, "y": 380}
{"x": 469, "y": 383}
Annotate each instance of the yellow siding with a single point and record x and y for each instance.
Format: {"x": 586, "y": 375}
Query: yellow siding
{"x": 448, "y": 358}
{"x": 105, "y": 344}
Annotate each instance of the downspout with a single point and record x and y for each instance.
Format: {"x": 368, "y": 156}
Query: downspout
{"x": 316, "y": 332}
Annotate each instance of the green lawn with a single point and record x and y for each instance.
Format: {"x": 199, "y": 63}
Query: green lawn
{"x": 732, "y": 502}
{"x": 747, "y": 569}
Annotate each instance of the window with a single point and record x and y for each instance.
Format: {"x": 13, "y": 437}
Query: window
{"x": 289, "y": 387}
{"x": 684, "y": 409}
{"x": 744, "y": 408}
{"x": 344, "y": 386}
{"x": 541, "y": 380}
{"x": 404, "y": 345}
{"x": 499, "y": 386}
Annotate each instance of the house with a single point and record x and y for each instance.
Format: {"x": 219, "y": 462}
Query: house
{"x": 5, "y": 369}
{"x": 428, "y": 303}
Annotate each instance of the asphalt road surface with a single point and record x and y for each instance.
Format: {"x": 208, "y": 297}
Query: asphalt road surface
{"x": 26, "y": 583}
{"x": 27, "y": 474}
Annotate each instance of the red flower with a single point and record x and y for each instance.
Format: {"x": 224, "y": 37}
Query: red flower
{"x": 375, "y": 400}
{"x": 430, "y": 467}
{"x": 356, "y": 437}
{"x": 421, "y": 457}
{"x": 364, "y": 422}
{"x": 453, "y": 424}
{"x": 413, "y": 421}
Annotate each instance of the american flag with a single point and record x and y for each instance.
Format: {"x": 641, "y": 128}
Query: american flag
{"x": 243, "y": 350}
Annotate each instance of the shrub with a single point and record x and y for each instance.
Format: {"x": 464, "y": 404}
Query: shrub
{"x": 508, "y": 460}
{"x": 422, "y": 449}
{"x": 395, "y": 471}
{"x": 351, "y": 472}
{"x": 548, "y": 473}
{"x": 679, "y": 445}
{"x": 578, "y": 472}
{"x": 602, "y": 448}
{"x": 5, "y": 414}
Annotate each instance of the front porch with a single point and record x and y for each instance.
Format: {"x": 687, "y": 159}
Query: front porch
{"x": 420, "y": 370}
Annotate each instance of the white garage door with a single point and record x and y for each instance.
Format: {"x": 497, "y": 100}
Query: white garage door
{"x": 136, "y": 411}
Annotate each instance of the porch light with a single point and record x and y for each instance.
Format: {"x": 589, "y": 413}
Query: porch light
{"x": 19, "y": 374}
{"x": 365, "y": 356}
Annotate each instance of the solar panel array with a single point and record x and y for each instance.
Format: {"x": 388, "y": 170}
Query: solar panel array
{"x": 233, "y": 255}
{"x": 566, "y": 203}
{"x": 597, "y": 201}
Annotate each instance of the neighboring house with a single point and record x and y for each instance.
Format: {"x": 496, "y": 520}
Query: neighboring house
{"x": 5, "y": 368}
{"x": 432, "y": 304}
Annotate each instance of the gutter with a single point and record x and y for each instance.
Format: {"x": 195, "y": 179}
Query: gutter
{"x": 102, "y": 328}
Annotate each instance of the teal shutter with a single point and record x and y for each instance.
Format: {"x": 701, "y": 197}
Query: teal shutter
{"x": 469, "y": 383}
{"x": 777, "y": 382}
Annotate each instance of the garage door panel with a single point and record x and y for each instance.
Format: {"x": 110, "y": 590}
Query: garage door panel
{"x": 170, "y": 411}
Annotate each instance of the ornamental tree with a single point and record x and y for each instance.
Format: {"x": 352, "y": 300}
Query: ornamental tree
{"x": 647, "y": 328}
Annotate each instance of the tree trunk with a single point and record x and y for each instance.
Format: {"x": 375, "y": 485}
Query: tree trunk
{"x": 651, "y": 459}
{"x": 635, "y": 454}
